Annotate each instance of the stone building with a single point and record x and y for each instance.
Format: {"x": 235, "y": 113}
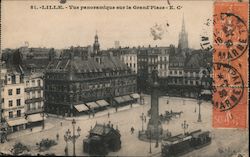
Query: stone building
{"x": 13, "y": 98}
{"x": 128, "y": 56}
{"x": 34, "y": 99}
{"x": 76, "y": 85}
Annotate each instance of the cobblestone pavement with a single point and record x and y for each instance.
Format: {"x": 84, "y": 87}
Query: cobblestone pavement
{"x": 126, "y": 117}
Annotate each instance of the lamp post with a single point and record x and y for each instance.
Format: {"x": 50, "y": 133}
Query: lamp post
{"x": 143, "y": 117}
{"x": 184, "y": 125}
{"x": 150, "y": 151}
{"x": 72, "y": 138}
{"x": 199, "y": 115}
{"x": 42, "y": 114}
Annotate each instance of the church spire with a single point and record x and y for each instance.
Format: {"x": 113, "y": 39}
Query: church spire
{"x": 183, "y": 37}
{"x": 183, "y": 24}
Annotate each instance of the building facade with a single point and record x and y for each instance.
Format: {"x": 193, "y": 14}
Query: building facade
{"x": 13, "y": 98}
{"x": 34, "y": 99}
{"x": 73, "y": 82}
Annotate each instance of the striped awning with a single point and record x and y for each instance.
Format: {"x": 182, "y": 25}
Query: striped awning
{"x": 102, "y": 103}
{"x": 15, "y": 122}
{"x": 206, "y": 92}
{"x": 92, "y": 105}
{"x": 81, "y": 107}
{"x": 127, "y": 98}
{"x": 135, "y": 95}
{"x": 119, "y": 99}
{"x": 35, "y": 117}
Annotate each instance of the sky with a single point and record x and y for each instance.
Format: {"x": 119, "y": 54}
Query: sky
{"x": 65, "y": 28}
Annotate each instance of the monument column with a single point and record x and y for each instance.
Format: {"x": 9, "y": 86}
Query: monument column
{"x": 154, "y": 125}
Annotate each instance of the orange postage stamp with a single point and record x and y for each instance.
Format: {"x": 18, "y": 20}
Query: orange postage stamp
{"x": 230, "y": 66}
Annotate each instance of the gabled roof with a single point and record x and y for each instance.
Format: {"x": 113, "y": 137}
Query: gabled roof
{"x": 102, "y": 129}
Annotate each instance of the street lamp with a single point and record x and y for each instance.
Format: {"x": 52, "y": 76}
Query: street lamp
{"x": 42, "y": 114}
{"x": 150, "y": 151}
{"x": 143, "y": 118}
{"x": 72, "y": 138}
{"x": 199, "y": 115}
{"x": 184, "y": 125}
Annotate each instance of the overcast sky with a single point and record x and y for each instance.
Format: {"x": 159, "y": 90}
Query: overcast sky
{"x": 63, "y": 28}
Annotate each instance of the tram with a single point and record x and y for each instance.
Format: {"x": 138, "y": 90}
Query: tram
{"x": 184, "y": 143}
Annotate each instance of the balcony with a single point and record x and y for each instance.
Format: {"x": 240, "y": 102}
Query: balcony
{"x": 33, "y": 88}
{"x": 33, "y": 100}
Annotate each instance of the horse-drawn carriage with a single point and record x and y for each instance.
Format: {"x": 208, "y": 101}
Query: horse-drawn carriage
{"x": 169, "y": 115}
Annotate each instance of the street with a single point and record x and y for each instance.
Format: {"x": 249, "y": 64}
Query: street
{"x": 224, "y": 141}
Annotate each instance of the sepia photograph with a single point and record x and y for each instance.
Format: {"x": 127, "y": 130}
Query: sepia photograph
{"x": 156, "y": 78}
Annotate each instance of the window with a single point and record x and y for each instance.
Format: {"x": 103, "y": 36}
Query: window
{"x": 33, "y": 94}
{"x": 18, "y": 113}
{"x": 10, "y": 103}
{"x": 38, "y": 82}
{"x": 11, "y": 114}
{"x": 18, "y": 102}
{"x": 39, "y": 93}
{"x": 180, "y": 72}
{"x": 18, "y": 91}
{"x": 170, "y": 72}
{"x": 175, "y": 72}
{"x": 10, "y": 91}
{"x": 39, "y": 105}
{"x": 33, "y": 82}
{"x": 27, "y": 83}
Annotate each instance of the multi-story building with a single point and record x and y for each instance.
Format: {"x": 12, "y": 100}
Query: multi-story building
{"x": 129, "y": 57}
{"x": 13, "y": 98}
{"x": 34, "y": 100}
{"x": 150, "y": 58}
{"x": 75, "y": 84}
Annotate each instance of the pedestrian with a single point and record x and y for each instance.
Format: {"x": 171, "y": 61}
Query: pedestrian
{"x": 61, "y": 123}
{"x": 57, "y": 136}
{"x": 66, "y": 151}
{"x": 108, "y": 114}
{"x": 31, "y": 129}
{"x": 132, "y": 130}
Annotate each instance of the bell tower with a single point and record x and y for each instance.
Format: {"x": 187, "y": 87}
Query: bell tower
{"x": 96, "y": 45}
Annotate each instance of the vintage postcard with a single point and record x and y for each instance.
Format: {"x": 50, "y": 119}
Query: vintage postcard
{"x": 164, "y": 78}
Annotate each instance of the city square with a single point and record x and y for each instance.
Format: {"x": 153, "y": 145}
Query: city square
{"x": 122, "y": 79}
{"x": 132, "y": 118}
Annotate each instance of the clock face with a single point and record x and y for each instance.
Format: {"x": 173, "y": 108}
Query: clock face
{"x": 230, "y": 36}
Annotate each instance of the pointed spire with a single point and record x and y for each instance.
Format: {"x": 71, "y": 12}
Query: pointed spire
{"x": 183, "y": 23}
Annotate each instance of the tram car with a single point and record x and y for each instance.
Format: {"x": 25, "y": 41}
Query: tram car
{"x": 182, "y": 144}
{"x": 102, "y": 139}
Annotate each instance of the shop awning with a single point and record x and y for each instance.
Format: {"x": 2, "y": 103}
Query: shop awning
{"x": 92, "y": 105}
{"x": 127, "y": 98}
{"x": 35, "y": 117}
{"x": 119, "y": 99}
{"x": 15, "y": 122}
{"x": 81, "y": 107}
{"x": 102, "y": 103}
{"x": 135, "y": 95}
{"x": 206, "y": 92}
